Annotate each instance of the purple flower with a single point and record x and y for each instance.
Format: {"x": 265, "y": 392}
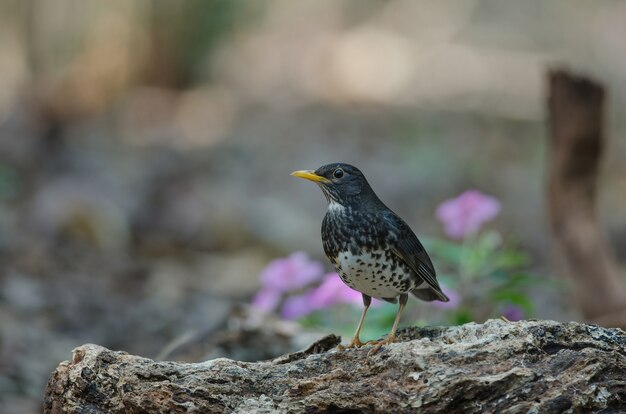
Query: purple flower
{"x": 467, "y": 213}
{"x": 513, "y": 313}
{"x": 291, "y": 273}
{"x": 285, "y": 275}
{"x": 453, "y": 303}
{"x": 266, "y": 299}
{"x": 333, "y": 291}
{"x": 296, "y": 307}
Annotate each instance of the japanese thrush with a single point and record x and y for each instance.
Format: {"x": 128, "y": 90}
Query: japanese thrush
{"x": 373, "y": 250}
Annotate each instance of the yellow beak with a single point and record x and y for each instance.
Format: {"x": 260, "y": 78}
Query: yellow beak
{"x": 311, "y": 176}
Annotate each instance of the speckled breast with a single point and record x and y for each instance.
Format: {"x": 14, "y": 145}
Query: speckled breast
{"x": 356, "y": 245}
{"x": 378, "y": 273}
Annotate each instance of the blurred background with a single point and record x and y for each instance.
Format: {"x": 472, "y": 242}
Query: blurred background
{"x": 146, "y": 146}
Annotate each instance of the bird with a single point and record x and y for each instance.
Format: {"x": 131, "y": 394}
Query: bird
{"x": 372, "y": 249}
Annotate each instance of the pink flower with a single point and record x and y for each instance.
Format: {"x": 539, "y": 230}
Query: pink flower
{"x": 296, "y": 307}
{"x": 467, "y": 213}
{"x": 453, "y": 303}
{"x": 291, "y": 273}
{"x": 266, "y": 300}
{"x": 513, "y": 313}
{"x": 285, "y": 275}
{"x": 333, "y": 291}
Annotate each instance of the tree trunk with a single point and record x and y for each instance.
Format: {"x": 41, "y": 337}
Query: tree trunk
{"x": 576, "y": 108}
{"x": 496, "y": 367}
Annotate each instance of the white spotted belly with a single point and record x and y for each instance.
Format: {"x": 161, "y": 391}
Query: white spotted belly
{"x": 374, "y": 274}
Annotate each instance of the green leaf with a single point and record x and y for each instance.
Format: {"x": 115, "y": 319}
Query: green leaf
{"x": 461, "y": 317}
{"x": 515, "y": 298}
{"x": 449, "y": 252}
{"x": 511, "y": 259}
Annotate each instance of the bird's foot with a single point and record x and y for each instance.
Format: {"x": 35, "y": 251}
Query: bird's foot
{"x": 355, "y": 343}
{"x": 379, "y": 344}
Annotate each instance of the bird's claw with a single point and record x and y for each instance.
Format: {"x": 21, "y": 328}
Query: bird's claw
{"x": 379, "y": 344}
{"x": 355, "y": 343}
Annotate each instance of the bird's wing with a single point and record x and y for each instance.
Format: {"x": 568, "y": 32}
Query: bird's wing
{"x": 408, "y": 248}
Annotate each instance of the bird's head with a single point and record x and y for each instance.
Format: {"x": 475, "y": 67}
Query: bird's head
{"x": 341, "y": 183}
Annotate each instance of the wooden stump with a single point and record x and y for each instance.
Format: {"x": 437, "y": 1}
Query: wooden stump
{"x": 576, "y": 110}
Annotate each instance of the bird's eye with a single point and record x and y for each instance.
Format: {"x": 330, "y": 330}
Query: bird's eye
{"x": 338, "y": 173}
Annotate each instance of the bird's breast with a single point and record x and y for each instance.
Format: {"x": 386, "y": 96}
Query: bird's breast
{"x": 357, "y": 244}
{"x": 376, "y": 273}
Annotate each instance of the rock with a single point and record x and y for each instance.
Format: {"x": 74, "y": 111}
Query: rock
{"x": 495, "y": 367}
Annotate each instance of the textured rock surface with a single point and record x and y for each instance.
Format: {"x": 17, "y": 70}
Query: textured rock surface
{"x": 525, "y": 367}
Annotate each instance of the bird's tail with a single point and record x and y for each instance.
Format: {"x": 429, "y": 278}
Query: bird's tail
{"x": 430, "y": 294}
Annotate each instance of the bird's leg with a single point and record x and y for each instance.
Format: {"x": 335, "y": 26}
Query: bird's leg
{"x": 356, "y": 342}
{"x": 392, "y": 335}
